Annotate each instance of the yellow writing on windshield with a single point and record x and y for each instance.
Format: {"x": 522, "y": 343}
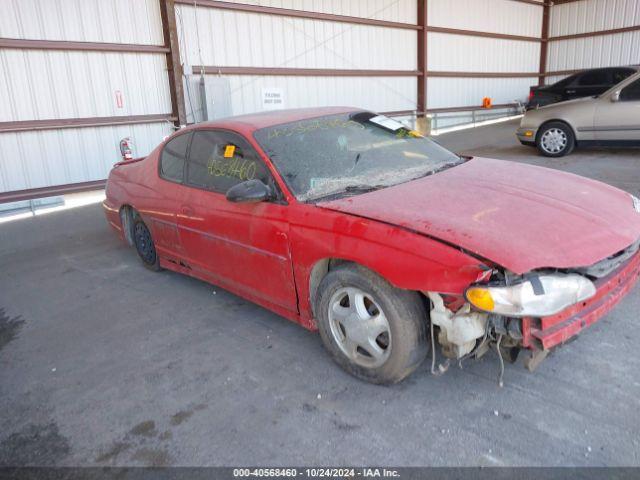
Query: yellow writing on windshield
{"x": 312, "y": 126}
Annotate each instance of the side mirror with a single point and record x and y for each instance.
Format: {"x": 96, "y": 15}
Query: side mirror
{"x": 615, "y": 96}
{"x": 250, "y": 191}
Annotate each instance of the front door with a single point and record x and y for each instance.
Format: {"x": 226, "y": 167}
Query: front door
{"x": 619, "y": 120}
{"x": 243, "y": 246}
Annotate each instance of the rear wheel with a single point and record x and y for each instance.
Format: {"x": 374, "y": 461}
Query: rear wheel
{"x": 555, "y": 139}
{"x": 144, "y": 245}
{"x": 373, "y": 330}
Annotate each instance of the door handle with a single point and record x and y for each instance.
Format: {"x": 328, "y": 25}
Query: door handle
{"x": 571, "y": 91}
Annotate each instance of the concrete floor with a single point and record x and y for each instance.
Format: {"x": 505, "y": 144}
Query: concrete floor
{"x": 105, "y": 363}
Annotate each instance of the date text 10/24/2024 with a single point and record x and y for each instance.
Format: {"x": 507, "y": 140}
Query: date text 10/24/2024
{"x": 316, "y": 473}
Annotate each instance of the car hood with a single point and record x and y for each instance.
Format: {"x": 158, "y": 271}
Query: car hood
{"x": 519, "y": 216}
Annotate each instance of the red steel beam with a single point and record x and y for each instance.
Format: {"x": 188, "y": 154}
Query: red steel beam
{"x": 80, "y": 46}
{"x": 334, "y": 72}
{"x": 563, "y": 72}
{"x": 476, "y": 33}
{"x": 174, "y": 67}
{"x": 287, "y": 12}
{"x": 56, "y": 123}
{"x": 30, "y": 194}
{"x": 598, "y": 33}
{"x": 303, "y": 72}
{"x": 482, "y": 74}
{"x": 532, "y": 2}
{"x": 422, "y": 63}
{"x": 544, "y": 46}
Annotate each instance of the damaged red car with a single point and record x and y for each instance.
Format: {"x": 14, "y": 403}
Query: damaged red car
{"x": 350, "y": 223}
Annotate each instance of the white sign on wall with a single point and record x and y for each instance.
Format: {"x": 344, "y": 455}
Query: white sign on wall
{"x": 272, "y": 99}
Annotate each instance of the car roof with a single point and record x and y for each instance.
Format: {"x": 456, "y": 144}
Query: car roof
{"x": 256, "y": 121}
{"x": 614, "y": 67}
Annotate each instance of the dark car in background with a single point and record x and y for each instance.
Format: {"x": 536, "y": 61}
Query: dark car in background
{"x": 583, "y": 84}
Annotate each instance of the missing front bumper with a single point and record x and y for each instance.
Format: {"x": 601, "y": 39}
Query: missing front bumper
{"x": 548, "y": 332}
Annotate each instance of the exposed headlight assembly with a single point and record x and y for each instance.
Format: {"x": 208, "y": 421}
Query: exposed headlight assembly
{"x": 536, "y": 296}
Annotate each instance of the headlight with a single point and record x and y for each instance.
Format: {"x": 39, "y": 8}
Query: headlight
{"x": 538, "y": 296}
{"x": 636, "y": 203}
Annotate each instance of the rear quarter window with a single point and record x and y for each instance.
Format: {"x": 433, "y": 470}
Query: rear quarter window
{"x": 174, "y": 157}
{"x": 594, "y": 78}
{"x": 564, "y": 82}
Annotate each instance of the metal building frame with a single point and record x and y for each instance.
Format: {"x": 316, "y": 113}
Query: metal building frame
{"x": 174, "y": 69}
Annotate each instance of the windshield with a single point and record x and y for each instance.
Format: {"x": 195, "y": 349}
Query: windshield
{"x": 349, "y": 153}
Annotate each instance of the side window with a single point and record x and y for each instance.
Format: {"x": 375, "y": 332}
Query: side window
{"x": 620, "y": 74}
{"x": 631, "y": 92}
{"x": 565, "y": 82}
{"x": 593, "y": 78}
{"x": 219, "y": 160}
{"x": 173, "y": 158}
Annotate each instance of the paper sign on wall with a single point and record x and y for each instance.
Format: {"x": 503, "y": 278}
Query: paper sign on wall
{"x": 272, "y": 99}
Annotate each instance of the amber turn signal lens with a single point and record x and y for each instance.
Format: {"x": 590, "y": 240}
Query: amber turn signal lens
{"x": 480, "y": 298}
{"x": 528, "y": 133}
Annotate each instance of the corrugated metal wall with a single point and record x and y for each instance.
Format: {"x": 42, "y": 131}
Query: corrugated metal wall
{"x": 593, "y": 15}
{"x": 599, "y": 51}
{"x": 58, "y": 157}
{"x": 461, "y": 53}
{"x": 232, "y": 39}
{"x": 496, "y": 16}
{"x": 403, "y": 11}
{"x": 115, "y": 21}
{"x": 41, "y": 84}
{"x": 60, "y": 84}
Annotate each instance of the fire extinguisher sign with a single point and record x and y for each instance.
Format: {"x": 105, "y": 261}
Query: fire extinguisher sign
{"x": 119, "y": 99}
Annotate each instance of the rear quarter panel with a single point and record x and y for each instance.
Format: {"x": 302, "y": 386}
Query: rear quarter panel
{"x": 132, "y": 183}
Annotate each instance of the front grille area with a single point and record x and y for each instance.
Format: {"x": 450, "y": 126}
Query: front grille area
{"x": 609, "y": 264}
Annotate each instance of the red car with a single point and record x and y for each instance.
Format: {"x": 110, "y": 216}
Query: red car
{"x": 348, "y": 222}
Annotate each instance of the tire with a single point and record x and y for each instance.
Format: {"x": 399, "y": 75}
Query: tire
{"x": 144, "y": 245}
{"x": 555, "y": 139}
{"x": 394, "y": 320}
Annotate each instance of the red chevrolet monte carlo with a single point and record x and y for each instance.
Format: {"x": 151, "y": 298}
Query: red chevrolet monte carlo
{"x": 347, "y": 222}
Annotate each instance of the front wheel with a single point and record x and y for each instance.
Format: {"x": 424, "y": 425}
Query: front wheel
{"x": 555, "y": 139}
{"x": 373, "y": 330}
